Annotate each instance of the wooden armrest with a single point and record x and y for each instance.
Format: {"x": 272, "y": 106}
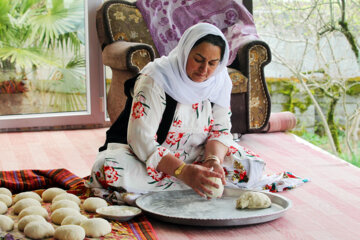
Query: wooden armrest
{"x": 130, "y": 56}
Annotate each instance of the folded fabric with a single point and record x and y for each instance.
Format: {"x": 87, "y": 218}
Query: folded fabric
{"x": 168, "y": 20}
{"x": 30, "y": 179}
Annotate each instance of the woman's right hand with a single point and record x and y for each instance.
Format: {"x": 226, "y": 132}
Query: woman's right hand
{"x": 196, "y": 176}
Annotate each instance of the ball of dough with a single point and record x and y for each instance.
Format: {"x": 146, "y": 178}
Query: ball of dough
{"x": 64, "y": 204}
{"x": 28, "y": 219}
{"x": 68, "y": 196}
{"x": 96, "y": 227}
{"x": 27, "y": 195}
{"x": 3, "y": 208}
{"x": 59, "y": 214}
{"x": 93, "y": 203}
{"x": 73, "y": 220}
{"x": 216, "y": 192}
{"x": 6, "y": 223}
{"x": 39, "y": 230}
{"x": 24, "y": 203}
{"x": 69, "y": 232}
{"x": 34, "y": 210}
{"x": 5, "y": 191}
{"x": 253, "y": 200}
{"x": 6, "y": 199}
{"x": 49, "y": 194}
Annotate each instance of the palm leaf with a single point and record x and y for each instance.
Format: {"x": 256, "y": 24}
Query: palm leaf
{"x": 25, "y": 57}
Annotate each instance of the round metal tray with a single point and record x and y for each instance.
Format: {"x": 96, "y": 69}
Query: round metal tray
{"x": 186, "y": 207}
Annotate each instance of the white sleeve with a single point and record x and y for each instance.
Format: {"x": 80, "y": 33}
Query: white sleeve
{"x": 221, "y": 125}
{"x": 149, "y": 102}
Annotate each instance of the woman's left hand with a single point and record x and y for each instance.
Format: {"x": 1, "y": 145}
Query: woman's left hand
{"x": 216, "y": 168}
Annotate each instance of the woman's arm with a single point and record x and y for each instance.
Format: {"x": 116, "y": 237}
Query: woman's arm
{"x": 194, "y": 175}
{"x": 219, "y": 150}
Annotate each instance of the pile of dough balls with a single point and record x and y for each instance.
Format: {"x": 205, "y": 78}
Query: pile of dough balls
{"x": 250, "y": 199}
{"x": 34, "y": 220}
{"x": 6, "y": 223}
{"x": 65, "y": 212}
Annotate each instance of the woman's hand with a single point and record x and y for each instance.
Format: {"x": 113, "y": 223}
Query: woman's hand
{"x": 196, "y": 176}
{"x": 216, "y": 166}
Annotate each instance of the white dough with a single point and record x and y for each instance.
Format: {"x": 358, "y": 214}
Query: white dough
{"x": 253, "y": 200}
{"x": 59, "y": 214}
{"x": 68, "y": 196}
{"x": 5, "y": 191}
{"x": 24, "y": 203}
{"x": 64, "y": 204}
{"x": 3, "y": 208}
{"x": 39, "y": 230}
{"x": 70, "y": 232}
{"x": 28, "y": 219}
{"x": 96, "y": 227}
{"x": 49, "y": 194}
{"x": 27, "y": 195}
{"x": 6, "y": 223}
{"x": 216, "y": 192}
{"x": 93, "y": 203}
{"x": 6, "y": 199}
{"x": 73, "y": 220}
{"x": 34, "y": 210}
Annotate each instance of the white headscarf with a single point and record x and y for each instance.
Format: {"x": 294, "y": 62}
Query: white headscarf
{"x": 169, "y": 72}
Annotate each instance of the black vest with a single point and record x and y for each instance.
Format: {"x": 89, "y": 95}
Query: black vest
{"x": 117, "y": 133}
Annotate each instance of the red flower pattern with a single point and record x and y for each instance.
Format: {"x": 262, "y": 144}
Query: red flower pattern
{"x": 251, "y": 153}
{"x": 216, "y": 134}
{"x": 111, "y": 174}
{"x": 173, "y": 137}
{"x": 161, "y": 151}
{"x": 231, "y": 150}
{"x": 177, "y": 154}
{"x": 177, "y": 123}
{"x": 138, "y": 110}
{"x": 195, "y": 106}
{"x": 157, "y": 176}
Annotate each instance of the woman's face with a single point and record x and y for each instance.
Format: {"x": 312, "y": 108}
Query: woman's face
{"x": 202, "y": 61}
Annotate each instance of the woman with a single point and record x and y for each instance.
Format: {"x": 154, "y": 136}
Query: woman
{"x": 198, "y": 144}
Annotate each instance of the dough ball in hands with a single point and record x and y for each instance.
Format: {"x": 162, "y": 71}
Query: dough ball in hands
{"x": 3, "y": 208}
{"x": 59, "y": 214}
{"x": 67, "y": 196}
{"x": 216, "y": 192}
{"x": 93, "y": 203}
{"x": 64, "y": 204}
{"x": 5, "y": 191}
{"x": 39, "y": 230}
{"x": 73, "y": 220}
{"x": 6, "y": 199}
{"x": 6, "y": 223}
{"x": 34, "y": 210}
{"x": 96, "y": 227}
{"x": 28, "y": 219}
{"x": 50, "y": 193}
{"x": 24, "y": 203}
{"x": 27, "y": 195}
{"x": 253, "y": 200}
{"x": 69, "y": 232}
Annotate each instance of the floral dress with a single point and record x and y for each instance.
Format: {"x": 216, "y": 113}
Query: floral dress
{"x": 132, "y": 167}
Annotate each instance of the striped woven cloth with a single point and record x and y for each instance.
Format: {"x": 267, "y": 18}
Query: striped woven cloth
{"x": 27, "y": 180}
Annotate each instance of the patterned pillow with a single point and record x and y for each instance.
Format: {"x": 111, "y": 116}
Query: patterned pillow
{"x": 121, "y": 20}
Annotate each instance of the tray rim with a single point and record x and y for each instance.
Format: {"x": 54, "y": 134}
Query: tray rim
{"x": 218, "y": 222}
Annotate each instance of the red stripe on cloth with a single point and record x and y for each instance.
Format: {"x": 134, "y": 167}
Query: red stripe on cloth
{"x": 27, "y": 180}
{"x": 141, "y": 228}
